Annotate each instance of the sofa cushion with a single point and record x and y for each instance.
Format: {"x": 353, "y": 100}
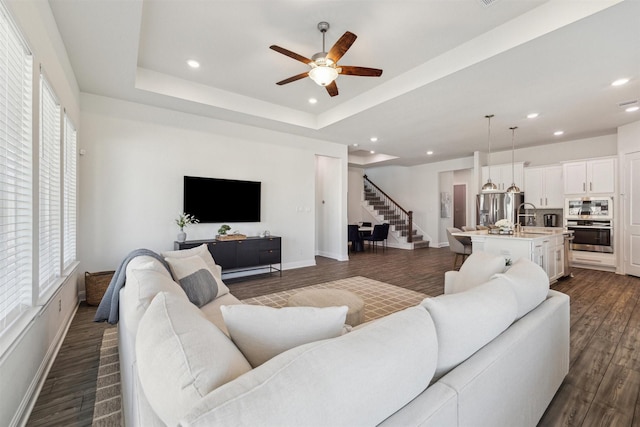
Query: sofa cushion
{"x": 195, "y": 277}
{"x": 262, "y": 332}
{"x": 144, "y": 282}
{"x": 181, "y": 356}
{"x": 529, "y": 282}
{"x": 466, "y": 321}
{"x": 478, "y": 268}
{"x": 203, "y": 252}
{"x": 357, "y": 379}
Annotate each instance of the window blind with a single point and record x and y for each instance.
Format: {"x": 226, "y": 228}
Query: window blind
{"x": 50, "y": 233}
{"x": 69, "y": 193}
{"x": 16, "y": 205}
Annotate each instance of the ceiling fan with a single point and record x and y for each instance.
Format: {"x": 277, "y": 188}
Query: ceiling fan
{"x": 324, "y": 65}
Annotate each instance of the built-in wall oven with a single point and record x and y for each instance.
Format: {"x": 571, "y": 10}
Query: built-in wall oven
{"x": 591, "y": 220}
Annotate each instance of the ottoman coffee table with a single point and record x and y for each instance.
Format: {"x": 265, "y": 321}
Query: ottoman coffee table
{"x": 331, "y": 298}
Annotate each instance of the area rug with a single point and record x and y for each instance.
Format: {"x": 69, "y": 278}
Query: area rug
{"x": 107, "y": 411}
{"x": 380, "y": 299}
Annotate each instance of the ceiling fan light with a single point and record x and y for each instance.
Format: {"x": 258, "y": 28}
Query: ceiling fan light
{"x": 323, "y": 75}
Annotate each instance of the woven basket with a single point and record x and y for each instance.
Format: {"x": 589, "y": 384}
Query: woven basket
{"x": 96, "y": 284}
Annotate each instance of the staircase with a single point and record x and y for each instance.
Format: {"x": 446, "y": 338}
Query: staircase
{"x": 385, "y": 209}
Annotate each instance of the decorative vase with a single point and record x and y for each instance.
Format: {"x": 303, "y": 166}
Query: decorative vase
{"x": 182, "y": 236}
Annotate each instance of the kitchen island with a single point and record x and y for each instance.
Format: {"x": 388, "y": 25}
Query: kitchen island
{"x": 542, "y": 245}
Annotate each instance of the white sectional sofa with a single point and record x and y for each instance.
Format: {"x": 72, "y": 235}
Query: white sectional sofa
{"x": 492, "y": 354}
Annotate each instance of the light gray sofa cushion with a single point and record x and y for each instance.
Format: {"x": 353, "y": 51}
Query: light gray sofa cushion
{"x": 528, "y": 281}
{"x": 477, "y": 269}
{"x": 466, "y": 321}
{"x": 262, "y": 332}
{"x": 181, "y": 356}
{"x": 357, "y": 379}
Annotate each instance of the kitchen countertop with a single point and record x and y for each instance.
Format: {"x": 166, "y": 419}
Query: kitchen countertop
{"x": 527, "y": 233}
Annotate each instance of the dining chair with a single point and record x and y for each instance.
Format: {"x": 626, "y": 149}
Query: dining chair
{"x": 355, "y": 238}
{"x": 380, "y": 234}
{"x": 458, "y": 245}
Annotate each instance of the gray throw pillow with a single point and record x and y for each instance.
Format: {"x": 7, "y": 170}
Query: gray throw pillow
{"x": 195, "y": 278}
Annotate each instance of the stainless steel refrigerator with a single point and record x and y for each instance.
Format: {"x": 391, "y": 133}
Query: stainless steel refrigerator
{"x": 492, "y": 207}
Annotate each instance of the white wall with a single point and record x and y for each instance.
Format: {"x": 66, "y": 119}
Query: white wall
{"x": 331, "y": 215}
{"x": 24, "y": 362}
{"x": 132, "y": 175}
{"x": 578, "y": 149}
{"x": 355, "y": 195}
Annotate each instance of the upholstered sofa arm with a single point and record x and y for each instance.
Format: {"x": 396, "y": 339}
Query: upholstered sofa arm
{"x": 450, "y": 281}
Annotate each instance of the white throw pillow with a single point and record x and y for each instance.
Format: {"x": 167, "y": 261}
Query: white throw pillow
{"x": 467, "y": 321}
{"x": 358, "y": 379}
{"x": 195, "y": 277}
{"x": 529, "y": 282}
{"x": 150, "y": 283}
{"x": 181, "y": 356}
{"x": 477, "y": 269}
{"x": 203, "y": 252}
{"x": 262, "y": 332}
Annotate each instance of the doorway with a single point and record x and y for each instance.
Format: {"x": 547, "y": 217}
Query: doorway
{"x": 459, "y": 205}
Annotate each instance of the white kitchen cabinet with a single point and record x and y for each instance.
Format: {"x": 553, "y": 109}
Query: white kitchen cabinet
{"x": 501, "y": 175}
{"x": 544, "y": 248}
{"x": 542, "y": 187}
{"x": 590, "y": 176}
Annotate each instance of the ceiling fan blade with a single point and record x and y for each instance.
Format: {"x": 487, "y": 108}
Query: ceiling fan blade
{"x": 342, "y": 45}
{"x": 332, "y": 88}
{"x": 360, "y": 71}
{"x": 290, "y": 54}
{"x": 293, "y": 79}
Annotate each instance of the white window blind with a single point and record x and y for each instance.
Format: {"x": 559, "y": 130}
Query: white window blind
{"x": 50, "y": 224}
{"x": 69, "y": 193}
{"x": 16, "y": 205}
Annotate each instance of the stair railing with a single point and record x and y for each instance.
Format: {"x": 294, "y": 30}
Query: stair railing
{"x": 405, "y": 215}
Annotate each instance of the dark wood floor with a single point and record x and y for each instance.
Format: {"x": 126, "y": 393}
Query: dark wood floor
{"x": 602, "y": 387}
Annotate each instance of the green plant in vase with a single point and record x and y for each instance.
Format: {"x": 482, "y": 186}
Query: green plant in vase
{"x": 223, "y": 229}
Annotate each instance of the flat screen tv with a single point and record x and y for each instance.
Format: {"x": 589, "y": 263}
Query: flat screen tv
{"x": 222, "y": 200}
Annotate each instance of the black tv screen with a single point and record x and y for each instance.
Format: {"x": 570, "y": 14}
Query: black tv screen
{"x": 222, "y": 200}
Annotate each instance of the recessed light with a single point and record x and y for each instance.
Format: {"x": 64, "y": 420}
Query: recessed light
{"x": 632, "y": 109}
{"x": 193, "y": 63}
{"x": 429, "y": 153}
{"x": 532, "y": 115}
{"x": 373, "y": 139}
{"x": 313, "y": 101}
{"x": 558, "y": 132}
{"x": 372, "y": 152}
{"x": 620, "y": 82}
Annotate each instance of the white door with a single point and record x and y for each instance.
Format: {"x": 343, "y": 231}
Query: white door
{"x": 575, "y": 178}
{"x": 631, "y": 229}
{"x": 601, "y": 176}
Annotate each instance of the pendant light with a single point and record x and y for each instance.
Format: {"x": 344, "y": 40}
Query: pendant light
{"x": 489, "y": 186}
{"x": 514, "y": 188}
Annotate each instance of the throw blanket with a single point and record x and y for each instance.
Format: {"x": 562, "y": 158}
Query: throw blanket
{"x": 110, "y": 303}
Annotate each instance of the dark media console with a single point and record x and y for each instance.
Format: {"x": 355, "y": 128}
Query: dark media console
{"x": 251, "y": 253}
